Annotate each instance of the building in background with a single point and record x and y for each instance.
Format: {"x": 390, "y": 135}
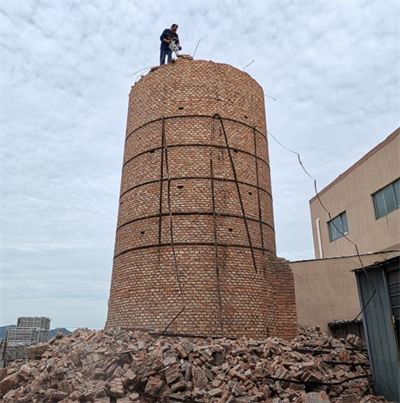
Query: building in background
{"x": 29, "y": 330}
{"x": 364, "y": 204}
{"x": 326, "y": 291}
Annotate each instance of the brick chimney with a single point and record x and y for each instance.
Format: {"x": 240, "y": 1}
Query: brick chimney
{"x": 195, "y": 244}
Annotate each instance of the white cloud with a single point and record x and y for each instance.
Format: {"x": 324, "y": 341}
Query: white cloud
{"x": 66, "y": 71}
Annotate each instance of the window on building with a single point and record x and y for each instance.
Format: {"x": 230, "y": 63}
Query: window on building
{"x": 342, "y": 328}
{"x": 338, "y": 227}
{"x": 387, "y": 199}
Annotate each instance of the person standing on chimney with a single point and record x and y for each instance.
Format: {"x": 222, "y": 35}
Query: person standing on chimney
{"x": 167, "y": 36}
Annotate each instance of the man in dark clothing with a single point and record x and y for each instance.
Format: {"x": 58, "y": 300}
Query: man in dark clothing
{"x": 168, "y": 35}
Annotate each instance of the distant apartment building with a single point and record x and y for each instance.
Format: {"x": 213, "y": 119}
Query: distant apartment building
{"x": 364, "y": 205}
{"x": 326, "y": 291}
{"x": 29, "y": 330}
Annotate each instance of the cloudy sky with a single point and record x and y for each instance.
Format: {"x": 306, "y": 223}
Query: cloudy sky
{"x": 330, "y": 70}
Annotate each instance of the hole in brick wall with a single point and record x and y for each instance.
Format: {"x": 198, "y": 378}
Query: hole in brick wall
{"x": 230, "y": 229}
{"x": 235, "y": 151}
{"x": 151, "y": 151}
{"x": 142, "y": 232}
{"x": 250, "y": 193}
{"x": 180, "y": 108}
{"x": 245, "y": 116}
{"x": 180, "y": 186}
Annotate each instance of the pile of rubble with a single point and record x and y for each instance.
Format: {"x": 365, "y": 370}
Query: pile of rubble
{"x": 130, "y": 366}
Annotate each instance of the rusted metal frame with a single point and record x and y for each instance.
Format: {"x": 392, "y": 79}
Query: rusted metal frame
{"x": 193, "y": 178}
{"x": 224, "y": 245}
{"x": 238, "y": 192}
{"x": 171, "y": 226}
{"x": 195, "y": 145}
{"x": 169, "y": 324}
{"x": 161, "y": 179}
{"x": 216, "y": 248}
{"x": 258, "y": 191}
{"x": 183, "y": 213}
{"x": 195, "y": 116}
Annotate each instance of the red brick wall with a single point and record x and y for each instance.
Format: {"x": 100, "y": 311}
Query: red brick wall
{"x": 227, "y": 297}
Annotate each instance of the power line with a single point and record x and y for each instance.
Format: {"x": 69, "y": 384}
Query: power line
{"x": 330, "y": 217}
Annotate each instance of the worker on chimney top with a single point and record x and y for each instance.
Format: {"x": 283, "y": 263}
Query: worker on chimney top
{"x": 168, "y": 35}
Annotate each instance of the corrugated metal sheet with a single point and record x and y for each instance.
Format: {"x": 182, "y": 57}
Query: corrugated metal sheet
{"x": 393, "y": 279}
{"x": 379, "y": 328}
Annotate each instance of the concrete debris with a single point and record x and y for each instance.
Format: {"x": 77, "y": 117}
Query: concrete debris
{"x": 131, "y": 366}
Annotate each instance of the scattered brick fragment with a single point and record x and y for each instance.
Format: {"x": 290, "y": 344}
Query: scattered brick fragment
{"x": 8, "y": 383}
{"x": 36, "y": 350}
{"x": 153, "y": 386}
{"x": 131, "y": 366}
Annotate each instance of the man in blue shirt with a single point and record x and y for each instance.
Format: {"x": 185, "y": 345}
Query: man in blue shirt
{"x": 168, "y": 35}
